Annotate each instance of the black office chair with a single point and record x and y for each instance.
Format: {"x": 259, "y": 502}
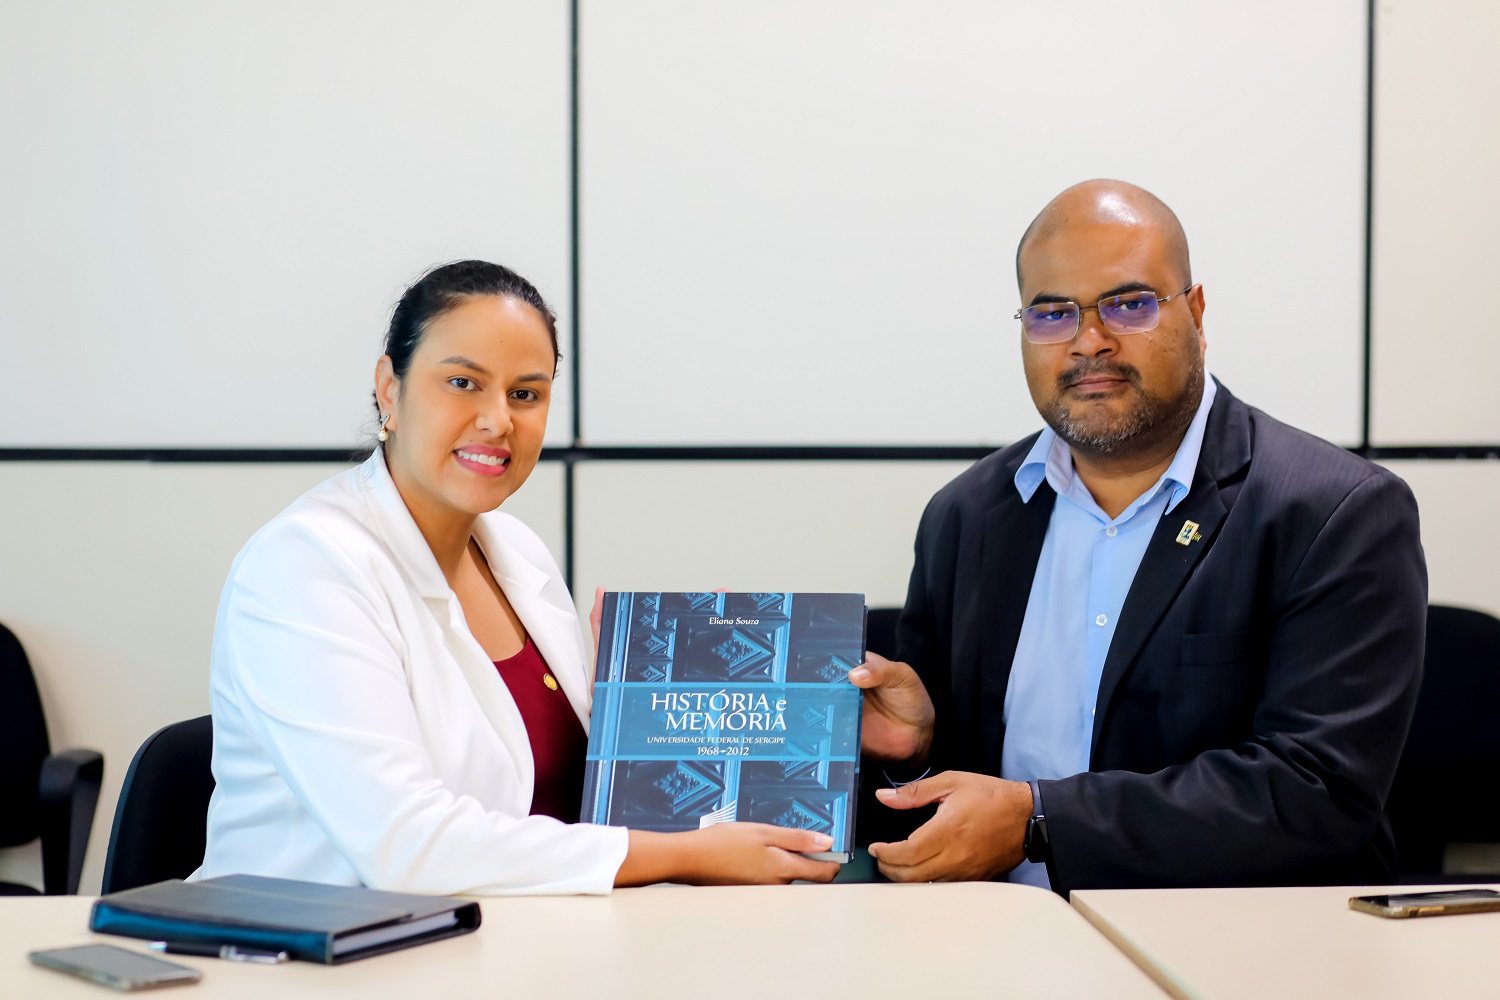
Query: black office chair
{"x": 42, "y": 794}
{"x": 161, "y": 822}
{"x": 880, "y": 631}
{"x": 1443, "y": 789}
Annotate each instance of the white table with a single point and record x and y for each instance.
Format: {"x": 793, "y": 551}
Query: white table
{"x": 1223, "y": 944}
{"x": 771, "y": 943}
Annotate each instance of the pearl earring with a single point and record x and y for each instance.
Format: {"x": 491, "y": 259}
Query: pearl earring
{"x": 384, "y": 434}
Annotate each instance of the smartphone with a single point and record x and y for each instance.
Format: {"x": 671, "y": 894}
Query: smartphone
{"x": 119, "y": 968}
{"x": 1428, "y": 904}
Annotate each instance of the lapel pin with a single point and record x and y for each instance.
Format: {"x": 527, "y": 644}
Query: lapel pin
{"x": 1189, "y": 533}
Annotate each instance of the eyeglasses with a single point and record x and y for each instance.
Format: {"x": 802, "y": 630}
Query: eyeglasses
{"x": 1058, "y": 322}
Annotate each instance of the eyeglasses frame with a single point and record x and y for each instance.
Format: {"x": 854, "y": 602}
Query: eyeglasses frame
{"x": 1082, "y": 309}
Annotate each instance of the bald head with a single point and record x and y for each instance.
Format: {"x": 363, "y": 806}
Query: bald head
{"x": 1105, "y": 202}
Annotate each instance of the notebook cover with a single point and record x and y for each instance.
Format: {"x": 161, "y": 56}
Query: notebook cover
{"x": 715, "y": 707}
{"x": 304, "y": 919}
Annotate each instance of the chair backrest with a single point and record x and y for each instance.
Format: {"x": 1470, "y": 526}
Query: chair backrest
{"x": 880, "y": 631}
{"x": 23, "y": 745}
{"x": 160, "y": 823}
{"x": 1441, "y": 792}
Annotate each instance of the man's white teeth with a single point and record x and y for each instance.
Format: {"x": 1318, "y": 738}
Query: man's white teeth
{"x": 481, "y": 459}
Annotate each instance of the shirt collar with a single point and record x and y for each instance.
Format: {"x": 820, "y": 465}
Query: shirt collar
{"x": 1052, "y": 460}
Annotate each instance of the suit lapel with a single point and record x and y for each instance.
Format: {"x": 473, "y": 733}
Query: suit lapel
{"x": 1168, "y": 563}
{"x": 1011, "y": 547}
{"x": 1164, "y": 569}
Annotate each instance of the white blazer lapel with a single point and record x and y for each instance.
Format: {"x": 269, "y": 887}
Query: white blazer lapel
{"x": 553, "y": 628}
{"x": 393, "y": 521}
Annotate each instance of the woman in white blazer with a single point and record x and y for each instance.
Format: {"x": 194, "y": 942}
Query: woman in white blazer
{"x": 395, "y": 660}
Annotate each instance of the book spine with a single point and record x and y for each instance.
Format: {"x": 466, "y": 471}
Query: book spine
{"x": 308, "y": 946}
{"x": 595, "y": 808}
{"x": 609, "y": 632}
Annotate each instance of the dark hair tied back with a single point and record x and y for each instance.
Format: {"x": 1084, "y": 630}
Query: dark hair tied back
{"x": 443, "y": 288}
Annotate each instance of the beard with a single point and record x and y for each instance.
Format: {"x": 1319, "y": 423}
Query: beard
{"x": 1146, "y": 421}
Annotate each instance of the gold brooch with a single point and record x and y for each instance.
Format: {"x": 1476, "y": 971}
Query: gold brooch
{"x": 550, "y": 681}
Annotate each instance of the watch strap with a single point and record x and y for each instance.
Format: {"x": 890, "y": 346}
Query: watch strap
{"x": 1037, "y": 844}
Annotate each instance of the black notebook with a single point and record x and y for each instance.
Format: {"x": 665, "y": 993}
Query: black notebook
{"x": 313, "y": 922}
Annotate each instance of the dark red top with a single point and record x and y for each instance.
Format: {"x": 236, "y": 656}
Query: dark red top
{"x": 557, "y": 739}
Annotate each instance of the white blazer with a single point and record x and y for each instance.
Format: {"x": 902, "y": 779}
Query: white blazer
{"x": 361, "y": 735}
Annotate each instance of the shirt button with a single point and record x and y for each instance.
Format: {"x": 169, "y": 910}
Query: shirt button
{"x": 1102, "y": 620}
{"x": 1111, "y": 531}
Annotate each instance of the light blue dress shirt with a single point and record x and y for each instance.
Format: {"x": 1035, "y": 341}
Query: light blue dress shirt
{"x": 1087, "y": 564}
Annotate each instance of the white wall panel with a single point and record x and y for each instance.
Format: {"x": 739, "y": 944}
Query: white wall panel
{"x": 209, "y": 209}
{"x": 1437, "y": 210}
{"x": 799, "y": 219}
{"x": 825, "y": 526}
{"x": 1463, "y": 550}
{"x": 112, "y": 573}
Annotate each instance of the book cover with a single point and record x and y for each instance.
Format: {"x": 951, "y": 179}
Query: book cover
{"x": 717, "y": 707}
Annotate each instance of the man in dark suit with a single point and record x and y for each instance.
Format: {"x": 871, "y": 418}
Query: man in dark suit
{"x": 1169, "y": 641}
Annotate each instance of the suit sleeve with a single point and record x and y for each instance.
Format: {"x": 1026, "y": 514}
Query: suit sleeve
{"x": 1309, "y": 785}
{"x": 309, "y": 675}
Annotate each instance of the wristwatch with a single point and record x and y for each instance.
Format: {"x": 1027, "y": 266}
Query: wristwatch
{"x": 1037, "y": 846}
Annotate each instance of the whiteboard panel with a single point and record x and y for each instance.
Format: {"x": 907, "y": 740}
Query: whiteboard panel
{"x": 210, "y": 209}
{"x": 1437, "y": 209}
{"x": 844, "y": 527}
{"x": 799, "y": 219}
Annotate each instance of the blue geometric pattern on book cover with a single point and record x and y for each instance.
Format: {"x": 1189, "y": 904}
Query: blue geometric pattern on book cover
{"x": 667, "y": 746}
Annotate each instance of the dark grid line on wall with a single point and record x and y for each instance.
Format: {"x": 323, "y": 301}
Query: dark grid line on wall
{"x": 575, "y": 294}
{"x": 663, "y": 453}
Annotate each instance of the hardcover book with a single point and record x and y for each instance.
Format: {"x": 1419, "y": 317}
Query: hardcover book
{"x": 717, "y": 707}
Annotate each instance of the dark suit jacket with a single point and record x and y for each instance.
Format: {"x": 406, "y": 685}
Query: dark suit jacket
{"x": 1261, "y": 680}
